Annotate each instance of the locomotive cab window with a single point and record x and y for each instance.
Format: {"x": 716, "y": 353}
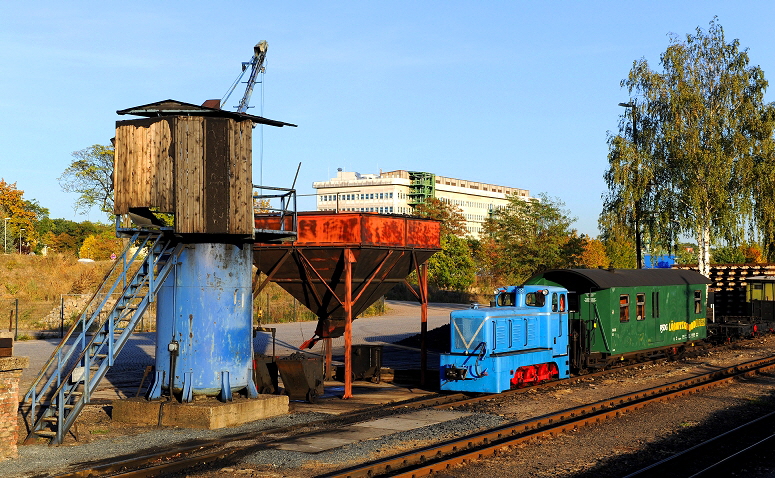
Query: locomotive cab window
{"x": 624, "y": 308}
{"x": 555, "y": 302}
{"x": 506, "y": 299}
{"x": 535, "y": 299}
{"x": 697, "y": 301}
{"x": 640, "y": 306}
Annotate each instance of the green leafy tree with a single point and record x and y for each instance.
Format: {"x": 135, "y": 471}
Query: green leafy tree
{"x": 453, "y": 267}
{"x": 527, "y": 237}
{"x": 90, "y": 174}
{"x": 65, "y": 236}
{"x": 728, "y": 255}
{"x": 701, "y": 123}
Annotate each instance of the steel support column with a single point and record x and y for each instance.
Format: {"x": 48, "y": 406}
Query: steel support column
{"x": 327, "y": 344}
{"x": 349, "y": 258}
{"x": 423, "y": 277}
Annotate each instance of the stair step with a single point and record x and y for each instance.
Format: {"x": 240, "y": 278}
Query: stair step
{"x": 46, "y": 433}
{"x": 50, "y": 419}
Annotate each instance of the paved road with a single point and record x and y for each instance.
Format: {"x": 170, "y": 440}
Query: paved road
{"x": 401, "y": 321}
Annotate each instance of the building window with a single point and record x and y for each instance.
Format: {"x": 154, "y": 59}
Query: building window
{"x": 624, "y": 308}
{"x": 640, "y": 306}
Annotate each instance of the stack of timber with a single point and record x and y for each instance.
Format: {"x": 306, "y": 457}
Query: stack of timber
{"x": 197, "y": 168}
{"x": 729, "y": 281}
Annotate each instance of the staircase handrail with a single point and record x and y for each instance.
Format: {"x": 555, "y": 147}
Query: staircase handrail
{"x": 87, "y": 346}
{"x": 120, "y": 261}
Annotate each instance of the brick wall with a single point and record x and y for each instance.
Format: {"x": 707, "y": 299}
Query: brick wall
{"x": 10, "y": 373}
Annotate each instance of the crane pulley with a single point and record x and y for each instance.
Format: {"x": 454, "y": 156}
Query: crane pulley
{"x": 256, "y": 65}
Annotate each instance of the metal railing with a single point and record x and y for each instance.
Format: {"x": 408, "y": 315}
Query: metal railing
{"x": 288, "y": 206}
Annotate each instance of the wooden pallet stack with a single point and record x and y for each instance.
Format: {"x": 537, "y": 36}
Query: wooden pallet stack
{"x": 729, "y": 281}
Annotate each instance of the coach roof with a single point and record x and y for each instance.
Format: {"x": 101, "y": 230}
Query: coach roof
{"x": 607, "y": 278}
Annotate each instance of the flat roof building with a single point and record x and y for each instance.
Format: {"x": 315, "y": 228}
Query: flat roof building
{"x": 397, "y": 192}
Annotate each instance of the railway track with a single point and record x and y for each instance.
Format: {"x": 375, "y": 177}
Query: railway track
{"x": 443, "y": 456}
{"x": 185, "y": 456}
{"x": 188, "y": 455}
{"x": 722, "y": 455}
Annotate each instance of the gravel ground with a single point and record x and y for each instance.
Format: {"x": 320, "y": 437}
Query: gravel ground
{"x": 609, "y": 449}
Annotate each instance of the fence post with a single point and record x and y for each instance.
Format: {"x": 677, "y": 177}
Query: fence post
{"x": 16, "y": 329}
{"x": 61, "y": 316}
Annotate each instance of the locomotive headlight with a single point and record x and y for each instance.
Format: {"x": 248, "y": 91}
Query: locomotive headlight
{"x": 545, "y": 292}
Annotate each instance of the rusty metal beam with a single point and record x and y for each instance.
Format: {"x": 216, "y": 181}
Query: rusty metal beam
{"x": 257, "y": 290}
{"x": 308, "y": 265}
{"x": 349, "y": 259}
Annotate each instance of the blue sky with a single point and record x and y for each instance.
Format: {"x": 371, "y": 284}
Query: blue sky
{"x": 513, "y": 93}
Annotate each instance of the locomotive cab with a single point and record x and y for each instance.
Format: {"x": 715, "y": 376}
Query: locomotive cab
{"x": 522, "y": 338}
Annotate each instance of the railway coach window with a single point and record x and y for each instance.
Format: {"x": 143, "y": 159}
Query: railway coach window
{"x": 640, "y": 304}
{"x": 697, "y": 301}
{"x": 655, "y": 304}
{"x": 624, "y": 308}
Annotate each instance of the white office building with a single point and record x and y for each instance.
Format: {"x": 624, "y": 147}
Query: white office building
{"x": 397, "y": 192}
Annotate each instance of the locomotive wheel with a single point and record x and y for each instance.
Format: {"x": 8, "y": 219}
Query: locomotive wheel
{"x": 312, "y": 395}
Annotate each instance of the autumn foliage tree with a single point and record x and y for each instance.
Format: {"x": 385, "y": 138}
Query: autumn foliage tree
{"x": 100, "y": 246}
{"x": 594, "y": 254}
{"x": 23, "y": 217}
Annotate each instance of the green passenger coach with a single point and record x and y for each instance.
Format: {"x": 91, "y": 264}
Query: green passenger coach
{"x": 622, "y": 314}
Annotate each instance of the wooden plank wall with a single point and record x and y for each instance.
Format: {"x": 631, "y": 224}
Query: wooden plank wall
{"x": 189, "y": 169}
{"x": 198, "y": 168}
{"x": 241, "y": 184}
{"x": 143, "y": 168}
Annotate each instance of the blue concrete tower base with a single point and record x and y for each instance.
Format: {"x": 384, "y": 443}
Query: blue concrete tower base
{"x": 204, "y": 324}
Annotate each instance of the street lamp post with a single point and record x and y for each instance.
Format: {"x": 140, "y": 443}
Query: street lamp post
{"x": 5, "y": 235}
{"x": 637, "y": 202}
{"x": 20, "y": 240}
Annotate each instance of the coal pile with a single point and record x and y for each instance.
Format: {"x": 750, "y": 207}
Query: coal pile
{"x": 437, "y": 340}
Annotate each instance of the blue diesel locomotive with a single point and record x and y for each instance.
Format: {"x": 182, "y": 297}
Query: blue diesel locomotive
{"x": 521, "y": 339}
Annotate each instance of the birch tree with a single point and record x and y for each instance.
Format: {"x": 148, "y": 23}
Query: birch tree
{"x": 90, "y": 174}
{"x": 701, "y": 125}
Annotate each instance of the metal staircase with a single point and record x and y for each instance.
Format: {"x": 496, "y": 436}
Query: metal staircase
{"x": 90, "y": 347}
